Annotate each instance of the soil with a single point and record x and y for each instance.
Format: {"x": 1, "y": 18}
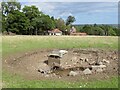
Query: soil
{"x": 28, "y": 64}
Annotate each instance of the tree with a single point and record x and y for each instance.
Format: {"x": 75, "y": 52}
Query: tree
{"x": 111, "y": 32}
{"x": 9, "y": 7}
{"x": 88, "y": 29}
{"x": 97, "y": 30}
{"x": 3, "y": 21}
{"x": 70, "y": 20}
{"x": 117, "y": 31}
{"x": 79, "y": 28}
{"x": 17, "y": 22}
{"x": 95, "y": 25}
{"x": 43, "y": 23}
{"x": 47, "y": 23}
{"x": 60, "y": 24}
{"x": 108, "y": 30}
{"x": 32, "y": 12}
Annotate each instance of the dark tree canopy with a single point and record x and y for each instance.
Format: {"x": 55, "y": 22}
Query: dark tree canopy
{"x": 30, "y": 21}
{"x": 9, "y": 7}
{"x": 70, "y": 20}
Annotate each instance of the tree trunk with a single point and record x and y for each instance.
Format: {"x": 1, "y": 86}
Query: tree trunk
{"x": 36, "y": 31}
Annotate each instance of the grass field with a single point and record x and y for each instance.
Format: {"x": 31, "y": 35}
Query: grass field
{"x": 13, "y": 44}
{"x": 16, "y": 44}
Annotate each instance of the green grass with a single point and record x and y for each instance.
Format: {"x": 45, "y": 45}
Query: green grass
{"x": 13, "y": 81}
{"x": 16, "y": 44}
{"x": 13, "y": 44}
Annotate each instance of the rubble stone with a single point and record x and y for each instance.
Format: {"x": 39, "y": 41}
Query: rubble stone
{"x": 43, "y": 68}
{"x": 87, "y": 71}
{"x": 99, "y": 70}
{"x": 63, "y": 51}
{"x": 72, "y": 73}
{"x": 95, "y": 67}
{"x": 106, "y": 61}
{"x": 92, "y": 63}
{"x": 100, "y": 63}
{"x": 81, "y": 59}
{"x": 86, "y": 60}
{"x": 46, "y": 75}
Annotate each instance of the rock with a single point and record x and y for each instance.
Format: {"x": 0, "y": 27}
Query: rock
{"x": 95, "y": 67}
{"x": 100, "y": 63}
{"x": 46, "y": 75}
{"x": 54, "y": 74}
{"x": 87, "y": 71}
{"x": 81, "y": 59}
{"x": 98, "y": 66}
{"x": 102, "y": 66}
{"x": 56, "y": 64}
{"x": 106, "y": 61}
{"x": 44, "y": 68}
{"x": 40, "y": 70}
{"x": 86, "y": 60}
{"x": 63, "y": 52}
{"x": 115, "y": 58}
{"x": 59, "y": 77}
{"x": 99, "y": 70}
{"x": 72, "y": 73}
{"x": 92, "y": 63}
{"x": 66, "y": 63}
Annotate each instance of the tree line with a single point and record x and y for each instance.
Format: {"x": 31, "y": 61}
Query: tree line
{"x": 30, "y": 21}
{"x": 102, "y": 30}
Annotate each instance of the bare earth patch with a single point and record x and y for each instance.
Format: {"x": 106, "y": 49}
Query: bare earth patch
{"x": 27, "y": 64}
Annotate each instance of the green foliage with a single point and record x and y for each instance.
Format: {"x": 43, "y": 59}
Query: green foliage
{"x": 70, "y": 20}
{"x": 88, "y": 29}
{"x": 103, "y": 30}
{"x": 60, "y": 24}
{"x": 9, "y": 7}
{"x": 117, "y": 31}
{"x": 31, "y": 21}
{"x": 32, "y": 13}
{"x": 4, "y": 26}
{"x": 17, "y": 22}
{"x": 47, "y": 22}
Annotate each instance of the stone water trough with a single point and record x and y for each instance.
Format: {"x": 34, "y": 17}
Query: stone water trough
{"x": 74, "y": 62}
{"x": 56, "y": 57}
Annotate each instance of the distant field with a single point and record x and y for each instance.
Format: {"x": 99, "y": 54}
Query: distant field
{"x": 16, "y": 44}
{"x": 13, "y": 44}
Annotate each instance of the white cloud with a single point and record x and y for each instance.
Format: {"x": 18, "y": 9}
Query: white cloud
{"x": 65, "y": 9}
{"x": 64, "y": 14}
{"x": 103, "y": 7}
{"x": 79, "y": 9}
{"x": 69, "y": 0}
{"x": 42, "y": 6}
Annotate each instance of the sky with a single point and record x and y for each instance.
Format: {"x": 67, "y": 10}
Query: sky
{"x": 84, "y": 12}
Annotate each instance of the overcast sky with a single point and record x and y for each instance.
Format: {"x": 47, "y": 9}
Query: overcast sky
{"x": 84, "y": 12}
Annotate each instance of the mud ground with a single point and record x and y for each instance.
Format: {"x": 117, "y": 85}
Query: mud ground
{"x": 27, "y": 64}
